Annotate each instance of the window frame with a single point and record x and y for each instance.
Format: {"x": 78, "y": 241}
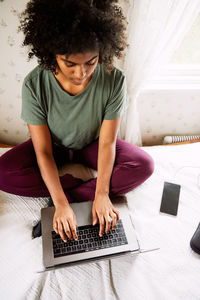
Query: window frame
{"x": 176, "y": 76}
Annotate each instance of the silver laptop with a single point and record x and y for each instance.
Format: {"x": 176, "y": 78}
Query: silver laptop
{"x": 89, "y": 246}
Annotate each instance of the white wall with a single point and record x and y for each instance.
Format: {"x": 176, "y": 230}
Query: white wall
{"x": 13, "y": 68}
{"x": 162, "y": 112}
{"x": 169, "y": 112}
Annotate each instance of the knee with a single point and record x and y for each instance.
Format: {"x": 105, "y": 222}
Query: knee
{"x": 3, "y": 174}
{"x": 6, "y": 161}
{"x": 2, "y": 165}
{"x": 3, "y": 168}
{"x": 146, "y": 165}
{"x": 7, "y": 165}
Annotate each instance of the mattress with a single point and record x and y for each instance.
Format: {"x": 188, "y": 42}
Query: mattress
{"x": 170, "y": 272}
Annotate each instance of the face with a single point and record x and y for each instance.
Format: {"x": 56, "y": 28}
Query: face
{"x": 77, "y": 68}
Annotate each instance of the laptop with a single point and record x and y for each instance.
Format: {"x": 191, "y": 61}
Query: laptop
{"x": 89, "y": 246}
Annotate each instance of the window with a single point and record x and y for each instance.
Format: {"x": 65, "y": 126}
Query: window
{"x": 183, "y": 70}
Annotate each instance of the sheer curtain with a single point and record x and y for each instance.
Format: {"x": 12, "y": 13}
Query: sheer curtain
{"x": 155, "y": 30}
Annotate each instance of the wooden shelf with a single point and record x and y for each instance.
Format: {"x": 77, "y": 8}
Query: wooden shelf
{"x": 6, "y": 146}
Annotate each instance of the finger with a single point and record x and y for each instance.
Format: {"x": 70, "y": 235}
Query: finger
{"x": 73, "y": 226}
{"x": 114, "y": 219}
{"x": 94, "y": 217}
{"x": 101, "y": 222}
{"x": 108, "y": 224}
{"x": 117, "y": 213}
{"x": 74, "y": 233}
{"x": 73, "y": 230}
{"x": 55, "y": 226}
{"x": 61, "y": 231}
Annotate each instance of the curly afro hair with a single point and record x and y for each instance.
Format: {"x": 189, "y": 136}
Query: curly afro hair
{"x": 73, "y": 26}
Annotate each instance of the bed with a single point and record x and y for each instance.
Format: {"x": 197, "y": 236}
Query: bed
{"x": 170, "y": 272}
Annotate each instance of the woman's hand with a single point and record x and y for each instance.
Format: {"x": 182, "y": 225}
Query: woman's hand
{"x": 64, "y": 217}
{"x": 103, "y": 209}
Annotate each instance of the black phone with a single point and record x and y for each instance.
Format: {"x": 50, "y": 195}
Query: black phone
{"x": 170, "y": 198}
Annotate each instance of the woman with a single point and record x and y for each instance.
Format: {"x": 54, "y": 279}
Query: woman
{"x": 72, "y": 103}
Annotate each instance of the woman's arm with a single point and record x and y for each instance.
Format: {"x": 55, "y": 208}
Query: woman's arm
{"x": 41, "y": 139}
{"x": 102, "y": 207}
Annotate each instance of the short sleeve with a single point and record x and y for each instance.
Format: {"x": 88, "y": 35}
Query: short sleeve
{"x": 118, "y": 101}
{"x": 32, "y": 111}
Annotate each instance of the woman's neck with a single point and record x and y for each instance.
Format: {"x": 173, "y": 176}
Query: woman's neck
{"x": 70, "y": 88}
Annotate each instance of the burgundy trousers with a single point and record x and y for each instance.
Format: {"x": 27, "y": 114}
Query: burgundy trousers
{"x": 20, "y": 175}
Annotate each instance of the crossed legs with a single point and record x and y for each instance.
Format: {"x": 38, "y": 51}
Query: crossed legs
{"x": 20, "y": 175}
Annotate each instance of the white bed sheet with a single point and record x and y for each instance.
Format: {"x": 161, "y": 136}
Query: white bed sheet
{"x": 172, "y": 272}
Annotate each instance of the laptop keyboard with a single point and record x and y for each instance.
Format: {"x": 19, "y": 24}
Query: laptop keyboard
{"x": 89, "y": 240}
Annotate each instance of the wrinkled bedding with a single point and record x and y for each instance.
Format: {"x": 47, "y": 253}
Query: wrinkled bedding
{"x": 171, "y": 272}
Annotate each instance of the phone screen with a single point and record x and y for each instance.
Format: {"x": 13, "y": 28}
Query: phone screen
{"x": 170, "y": 198}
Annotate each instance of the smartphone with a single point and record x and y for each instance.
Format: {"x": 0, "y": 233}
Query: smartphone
{"x": 170, "y": 198}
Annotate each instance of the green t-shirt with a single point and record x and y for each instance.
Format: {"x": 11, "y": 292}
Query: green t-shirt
{"x": 74, "y": 121}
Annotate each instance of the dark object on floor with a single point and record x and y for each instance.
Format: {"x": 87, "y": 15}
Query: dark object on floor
{"x": 195, "y": 241}
{"x": 37, "y": 229}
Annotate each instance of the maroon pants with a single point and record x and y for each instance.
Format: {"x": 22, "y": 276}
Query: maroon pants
{"x": 20, "y": 175}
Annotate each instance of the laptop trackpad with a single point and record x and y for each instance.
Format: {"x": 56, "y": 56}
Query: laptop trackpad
{"x": 83, "y": 212}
